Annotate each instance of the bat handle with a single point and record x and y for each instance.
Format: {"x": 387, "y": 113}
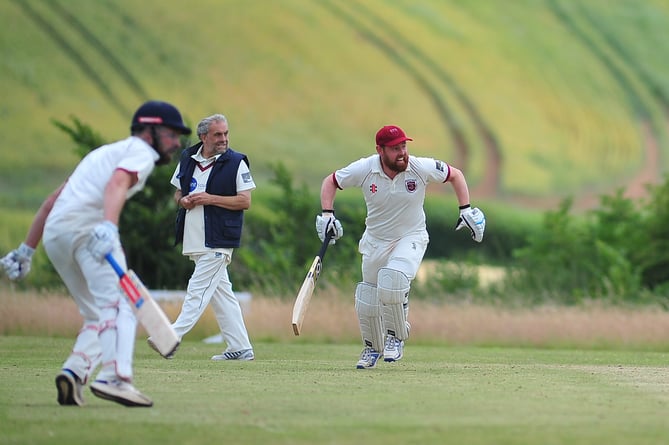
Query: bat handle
{"x": 326, "y": 243}
{"x": 117, "y": 267}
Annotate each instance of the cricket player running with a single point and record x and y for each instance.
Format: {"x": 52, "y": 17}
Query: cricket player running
{"x": 395, "y": 238}
{"x": 78, "y": 224}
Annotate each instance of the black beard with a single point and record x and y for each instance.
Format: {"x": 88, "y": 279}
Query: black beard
{"x": 164, "y": 159}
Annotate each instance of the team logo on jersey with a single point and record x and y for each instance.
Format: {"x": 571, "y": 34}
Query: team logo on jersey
{"x": 373, "y": 188}
{"x": 439, "y": 166}
{"x": 410, "y": 185}
{"x": 193, "y": 184}
{"x": 246, "y": 177}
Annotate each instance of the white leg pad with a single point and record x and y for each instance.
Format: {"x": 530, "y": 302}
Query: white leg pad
{"x": 117, "y": 340}
{"x": 369, "y": 315}
{"x": 126, "y": 328}
{"x": 393, "y": 290}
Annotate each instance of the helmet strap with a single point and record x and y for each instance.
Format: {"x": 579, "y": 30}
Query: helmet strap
{"x": 164, "y": 159}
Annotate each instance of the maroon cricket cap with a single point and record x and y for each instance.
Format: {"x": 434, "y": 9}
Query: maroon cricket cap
{"x": 390, "y": 135}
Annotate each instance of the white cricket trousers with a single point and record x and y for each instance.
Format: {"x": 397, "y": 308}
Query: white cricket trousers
{"x": 210, "y": 283}
{"x": 405, "y": 255}
{"x": 107, "y": 336}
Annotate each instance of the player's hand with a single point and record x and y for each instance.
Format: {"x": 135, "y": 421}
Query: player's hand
{"x": 474, "y": 220}
{"x": 326, "y": 222}
{"x": 104, "y": 238}
{"x": 16, "y": 263}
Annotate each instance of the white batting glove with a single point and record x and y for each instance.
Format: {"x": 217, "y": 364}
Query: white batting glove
{"x": 474, "y": 219}
{"x": 104, "y": 238}
{"x": 16, "y": 263}
{"x": 325, "y": 223}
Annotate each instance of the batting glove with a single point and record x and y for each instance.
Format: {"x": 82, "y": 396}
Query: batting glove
{"x": 16, "y": 263}
{"x": 325, "y": 223}
{"x": 104, "y": 238}
{"x": 474, "y": 219}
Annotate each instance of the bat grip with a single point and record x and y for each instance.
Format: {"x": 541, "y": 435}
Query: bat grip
{"x": 326, "y": 243}
{"x": 117, "y": 267}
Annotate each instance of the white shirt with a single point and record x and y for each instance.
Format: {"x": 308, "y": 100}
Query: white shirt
{"x": 394, "y": 206}
{"x": 193, "y": 241}
{"x": 80, "y": 205}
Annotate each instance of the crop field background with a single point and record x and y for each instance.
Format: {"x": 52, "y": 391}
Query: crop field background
{"x": 533, "y": 99}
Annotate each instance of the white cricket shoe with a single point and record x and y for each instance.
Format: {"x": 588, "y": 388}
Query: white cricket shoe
{"x": 244, "y": 354}
{"x": 393, "y": 349}
{"x": 120, "y": 392}
{"x": 69, "y": 388}
{"x": 368, "y": 358}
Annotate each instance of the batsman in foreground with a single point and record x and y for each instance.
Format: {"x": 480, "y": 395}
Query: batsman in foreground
{"x": 395, "y": 238}
{"x": 78, "y": 224}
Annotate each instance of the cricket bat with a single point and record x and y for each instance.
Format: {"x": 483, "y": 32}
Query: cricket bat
{"x": 148, "y": 312}
{"x": 308, "y": 286}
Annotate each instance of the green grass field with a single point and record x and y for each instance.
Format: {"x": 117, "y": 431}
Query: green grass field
{"x": 311, "y": 394}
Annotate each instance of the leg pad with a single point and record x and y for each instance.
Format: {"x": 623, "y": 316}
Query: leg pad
{"x": 393, "y": 292}
{"x": 369, "y": 315}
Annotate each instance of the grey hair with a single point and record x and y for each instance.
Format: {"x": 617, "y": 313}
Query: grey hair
{"x": 203, "y": 126}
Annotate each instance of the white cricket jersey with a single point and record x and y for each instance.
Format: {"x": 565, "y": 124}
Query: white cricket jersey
{"x": 80, "y": 205}
{"x": 193, "y": 240}
{"x": 394, "y": 206}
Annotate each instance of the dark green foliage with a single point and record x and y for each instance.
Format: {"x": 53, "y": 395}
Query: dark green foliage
{"x": 280, "y": 240}
{"x": 85, "y": 138}
{"x": 147, "y": 232}
{"x": 506, "y": 229}
{"x": 564, "y": 259}
{"x": 618, "y": 252}
{"x": 449, "y": 281}
{"x": 651, "y": 250}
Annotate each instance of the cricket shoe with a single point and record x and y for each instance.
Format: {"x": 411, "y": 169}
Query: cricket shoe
{"x": 244, "y": 354}
{"x": 153, "y": 346}
{"x": 393, "y": 349}
{"x": 70, "y": 388}
{"x": 120, "y": 392}
{"x": 368, "y": 358}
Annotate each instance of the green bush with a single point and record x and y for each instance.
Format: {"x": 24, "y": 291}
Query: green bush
{"x": 507, "y": 229}
{"x": 618, "y": 252}
{"x": 280, "y": 239}
{"x": 448, "y": 281}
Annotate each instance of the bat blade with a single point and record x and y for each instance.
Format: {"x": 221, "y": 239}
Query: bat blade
{"x": 304, "y": 295}
{"x": 153, "y": 319}
{"x": 308, "y": 285}
{"x": 149, "y": 314}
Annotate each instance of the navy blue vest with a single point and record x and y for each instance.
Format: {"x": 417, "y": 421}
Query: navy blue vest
{"x": 222, "y": 227}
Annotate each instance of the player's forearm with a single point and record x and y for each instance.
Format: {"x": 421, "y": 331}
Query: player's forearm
{"x": 37, "y": 227}
{"x": 459, "y": 184}
{"x": 328, "y": 192}
{"x": 177, "y": 196}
